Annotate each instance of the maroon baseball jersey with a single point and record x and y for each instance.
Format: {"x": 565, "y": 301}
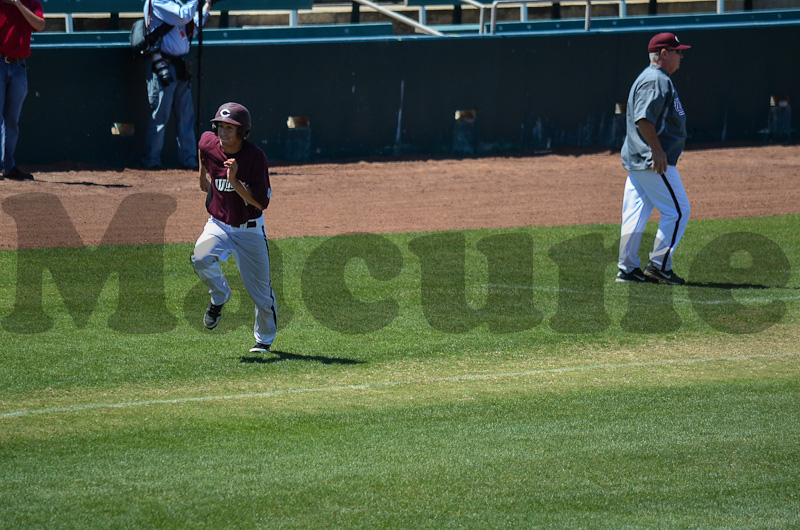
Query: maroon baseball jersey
{"x": 225, "y": 204}
{"x": 15, "y": 31}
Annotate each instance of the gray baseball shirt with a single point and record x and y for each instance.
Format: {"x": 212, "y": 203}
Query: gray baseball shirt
{"x": 653, "y": 97}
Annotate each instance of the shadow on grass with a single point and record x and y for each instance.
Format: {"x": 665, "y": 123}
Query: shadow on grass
{"x": 731, "y": 286}
{"x": 279, "y": 356}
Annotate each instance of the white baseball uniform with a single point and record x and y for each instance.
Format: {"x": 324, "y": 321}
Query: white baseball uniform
{"x": 236, "y": 229}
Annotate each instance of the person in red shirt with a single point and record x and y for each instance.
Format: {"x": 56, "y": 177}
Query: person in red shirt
{"x": 18, "y": 18}
{"x": 234, "y": 175}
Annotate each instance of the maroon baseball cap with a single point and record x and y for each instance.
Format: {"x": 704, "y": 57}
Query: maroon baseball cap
{"x": 665, "y": 40}
{"x": 234, "y": 114}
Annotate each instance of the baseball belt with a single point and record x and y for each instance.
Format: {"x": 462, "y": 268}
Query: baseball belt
{"x": 11, "y": 60}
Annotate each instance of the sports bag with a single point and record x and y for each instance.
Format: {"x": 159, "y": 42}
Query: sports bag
{"x": 142, "y": 40}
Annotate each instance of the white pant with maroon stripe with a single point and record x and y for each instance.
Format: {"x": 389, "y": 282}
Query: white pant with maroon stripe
{"x": 249, "y": 247}
{"x": 645, "y": 190}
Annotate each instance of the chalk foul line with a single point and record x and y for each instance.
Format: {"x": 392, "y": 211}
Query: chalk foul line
{"x": 385, "y": 384}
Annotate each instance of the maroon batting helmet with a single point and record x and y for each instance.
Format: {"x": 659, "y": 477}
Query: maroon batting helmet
{"x": 235, "y": 114}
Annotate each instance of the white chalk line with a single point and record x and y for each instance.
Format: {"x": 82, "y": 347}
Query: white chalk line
{"x": 385, "y": 384}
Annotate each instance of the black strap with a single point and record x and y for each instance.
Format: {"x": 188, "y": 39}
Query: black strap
{"x": 159, "y": 32}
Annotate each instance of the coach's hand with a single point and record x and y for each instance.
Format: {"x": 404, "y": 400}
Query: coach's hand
{"x": 659, "y": 161}
{"x": 648, "y": 132}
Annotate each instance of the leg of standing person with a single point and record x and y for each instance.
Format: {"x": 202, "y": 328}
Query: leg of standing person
{"x": 160, "y": 99}
{"x": 15, "y": 89}
{"x": 672, "y": 203}
{"x": 636, "y": 210}
{"x": 184, "y": 114}
{"x": 251, "y": 252}
{"x": 212, "y": 247}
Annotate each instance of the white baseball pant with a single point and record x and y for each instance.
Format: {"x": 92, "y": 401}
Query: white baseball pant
{"x": 250, "y": 248}
{"x": 645, "y": 190}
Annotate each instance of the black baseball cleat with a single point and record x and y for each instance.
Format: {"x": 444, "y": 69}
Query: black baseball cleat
{"x": 17, "y": 174}
{"x": 260, "y": 348}
{"x": 668, "y": 277}
{"x": 212, "y": 316}
{"x": 636, "y": 275}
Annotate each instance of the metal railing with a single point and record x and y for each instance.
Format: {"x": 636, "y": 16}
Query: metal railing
{"x": 524, "y": 11}
{"x": 400, "y": 18}
{"x": 422, "y": 27}
{"x": 482, "y": 13}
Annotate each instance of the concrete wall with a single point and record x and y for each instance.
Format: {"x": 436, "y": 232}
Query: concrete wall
{"x": 384, "y": 96}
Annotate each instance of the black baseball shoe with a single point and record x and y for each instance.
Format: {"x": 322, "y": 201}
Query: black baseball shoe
{"x": 212, "y": 316}
{"x": 260, "y": 348}
{"x": 668, "y": 277}
{"x": 636, "y": 275}
{"x": 17, "y": 174}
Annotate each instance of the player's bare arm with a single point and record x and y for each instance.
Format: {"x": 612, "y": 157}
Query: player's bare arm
{"x": 204, "y": 181}
{"x": 36, "y": 22}
{"x": 241, "y": 189}
{"x": 648, "y": 131}
{"x": 203, "y": 174}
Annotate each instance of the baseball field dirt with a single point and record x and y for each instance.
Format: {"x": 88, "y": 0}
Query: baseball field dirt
{"x": 561, "y": 188}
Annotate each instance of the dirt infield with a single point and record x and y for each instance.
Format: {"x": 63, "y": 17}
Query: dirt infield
{"x": 396, "y": 196}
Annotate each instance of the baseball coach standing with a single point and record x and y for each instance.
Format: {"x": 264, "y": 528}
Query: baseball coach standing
{"x": 655, "y": 138}
{"x": 18, "y": 18}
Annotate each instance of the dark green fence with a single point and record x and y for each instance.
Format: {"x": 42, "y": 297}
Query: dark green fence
{"x": 385, "y": 95}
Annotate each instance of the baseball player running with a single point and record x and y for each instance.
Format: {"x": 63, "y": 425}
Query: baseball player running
{"x": 234, "y": 173}
{"x": 655, "y": 138}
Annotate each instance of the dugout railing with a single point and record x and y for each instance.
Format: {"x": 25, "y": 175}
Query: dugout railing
{"x": 72, "y": 7}
{"x": 524, "y": 11}
{"x": 674, "y": 22}
{"x": 115, "y": 8}
{"x": 121, "y": 38}
{"x": 254, "y": 9}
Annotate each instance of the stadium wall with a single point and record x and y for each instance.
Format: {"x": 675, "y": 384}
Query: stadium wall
{"x": 385, "y": 96}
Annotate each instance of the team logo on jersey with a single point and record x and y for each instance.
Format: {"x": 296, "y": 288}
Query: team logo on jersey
{"x": 223, "y": 185}
{"x": 679, "y": 107}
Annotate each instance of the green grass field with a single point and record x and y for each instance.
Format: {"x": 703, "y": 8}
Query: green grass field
{"x": 479, "y": 379}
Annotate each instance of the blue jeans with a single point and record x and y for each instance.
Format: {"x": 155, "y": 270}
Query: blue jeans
{"x": 177, "y": 97}
{"x": 14, "y": 79}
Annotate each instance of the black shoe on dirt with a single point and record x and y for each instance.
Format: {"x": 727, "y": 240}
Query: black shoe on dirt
{"x": 18, "y": 174}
